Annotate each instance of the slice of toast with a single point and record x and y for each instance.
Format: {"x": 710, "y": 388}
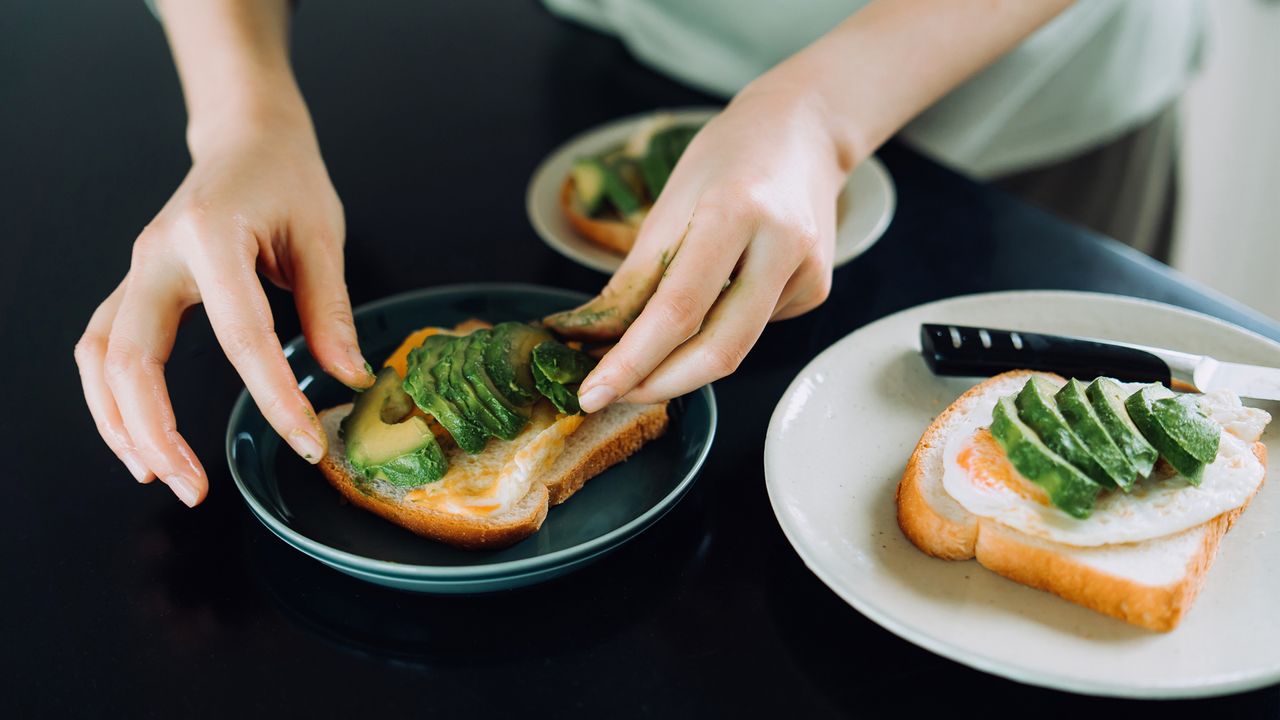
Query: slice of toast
{"x": 1151, "y": 584}
{"x": 614, "y": 235}
{"x": 604, "y": 439}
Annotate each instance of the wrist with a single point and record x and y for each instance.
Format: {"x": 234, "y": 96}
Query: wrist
{"x": 266, "y": 109}
{"x": 799, "y": 91}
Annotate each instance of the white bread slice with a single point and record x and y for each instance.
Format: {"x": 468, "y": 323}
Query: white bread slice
{"x": 1151, "y": 584}
{"x": 604, "y": 439}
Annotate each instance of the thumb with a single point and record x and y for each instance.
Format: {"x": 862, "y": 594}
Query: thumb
{"x": 320, "y": 292}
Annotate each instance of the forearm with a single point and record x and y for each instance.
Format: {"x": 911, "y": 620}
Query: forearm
{"x": 232, "y": 57}
{"x": 894, "y": 58}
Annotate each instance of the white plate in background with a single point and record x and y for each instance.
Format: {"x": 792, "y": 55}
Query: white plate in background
{"x": 865, "y": 206}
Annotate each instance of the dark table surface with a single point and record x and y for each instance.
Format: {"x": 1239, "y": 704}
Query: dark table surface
{"x": 118, "y": 601}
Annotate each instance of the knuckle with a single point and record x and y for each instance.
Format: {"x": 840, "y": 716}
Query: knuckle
{"x": 89, "y": 346}
{"x": 815, "y": 293}
{"x": 193, "y": 222}
{"x": 338, "y": 313}
{"x": 804, "y": 238}
{"x": 821, "y": 289}
{"x": 274, "y": 405}
{"x": 722, "y": 359}
{"x": 625, "y": 369}
{"x": 120, "y": 361}
{"x": 244, "y": 339}
{"x": 149, "y": 244}
{"x": 731, "y": 200}
{"x": 679, "y": 311}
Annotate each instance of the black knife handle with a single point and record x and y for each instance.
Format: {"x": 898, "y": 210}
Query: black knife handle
{"x": 971, "y": 351}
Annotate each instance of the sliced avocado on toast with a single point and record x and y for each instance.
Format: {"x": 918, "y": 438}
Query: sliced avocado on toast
{"x": 511, "y": 419}
{"x": 1107, "y": 398}
{"x": 1085, "y": 423}
{"x": 1068, "y": 488}
{"x": 421, "y": 385}
{"x": 384, "y": 441}
{"x": 1188, "y": 425}
{"x": 1153, "y": 416}
{"x": 558, "y": 370}
{"x": 588, "y": 184}
{"x": 476, "y": 386}
{"x": 508, "y": 357}
{"x": 628, "y": 179}
{"x": 454, "y": 385}
{"x": 1038, "y": 409}
{"x": 660, "y": 157}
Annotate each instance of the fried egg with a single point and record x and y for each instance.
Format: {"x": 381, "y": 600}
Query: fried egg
{"x": 494, "y": 481}
{"x": 979, "y": 476}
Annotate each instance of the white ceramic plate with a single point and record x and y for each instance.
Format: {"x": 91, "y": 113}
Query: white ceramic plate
{"x": 838, "y": 443}
{"x": 864, "y": 209}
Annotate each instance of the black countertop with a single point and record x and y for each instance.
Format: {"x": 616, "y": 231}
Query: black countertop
{"x": 118, "y": 601}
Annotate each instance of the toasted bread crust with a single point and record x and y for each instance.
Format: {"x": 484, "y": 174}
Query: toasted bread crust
{"x": 457, "y": 530}
{"x": 582, "y": 462}
{"x": 649, "y": 426}
{"x": 1041, "y": 564}
{"x": 929, "y": 530}
{"x": 613, "y": 235}
{"x": 1007, "y": 552}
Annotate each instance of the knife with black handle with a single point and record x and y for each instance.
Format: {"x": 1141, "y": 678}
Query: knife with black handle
{"x": 971, "y": 351}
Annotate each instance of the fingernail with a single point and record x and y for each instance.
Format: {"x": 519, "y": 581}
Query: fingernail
{"x": 596, "y": 398}
{"x": 184, "y": 489}
{"x": 358, "y": 362}
{"x": 136, "y": 467}
{"x": 307, "y": 446}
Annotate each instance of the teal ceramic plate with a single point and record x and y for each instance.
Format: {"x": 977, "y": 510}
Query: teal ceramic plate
{"x": 293, "y": 500}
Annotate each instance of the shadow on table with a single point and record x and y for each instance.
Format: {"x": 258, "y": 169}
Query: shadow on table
{"x": 568, "y": 613}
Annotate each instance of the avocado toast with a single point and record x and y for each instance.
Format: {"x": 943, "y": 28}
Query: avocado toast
{"x": 469, "y": 435}
{"x": 1137, "y": 543}
{"x": 606, "y": 196}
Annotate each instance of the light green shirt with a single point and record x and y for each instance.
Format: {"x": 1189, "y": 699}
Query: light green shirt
{"x": 1099, "y": 69}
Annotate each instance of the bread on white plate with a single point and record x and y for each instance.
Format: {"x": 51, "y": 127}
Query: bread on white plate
{"x": 1142, "y": 557}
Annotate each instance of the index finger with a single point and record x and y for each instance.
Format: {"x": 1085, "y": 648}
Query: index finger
{"x": 241, "y": 318}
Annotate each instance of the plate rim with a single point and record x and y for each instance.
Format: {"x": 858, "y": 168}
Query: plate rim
{"x": 544, "y": 232}
{"x": 460, "y": 573}
{"x": 1214, "y": 686}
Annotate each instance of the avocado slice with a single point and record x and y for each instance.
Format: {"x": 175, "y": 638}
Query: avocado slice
{"x": 1038, "y": 409}
{"x": 421, "y": 385}
{"x": 1106, "y": 396}
{"x": 507, "y": 360}
{"x": 1085, "y": 423}
{"x": 558, "y": 370}
{"x": 1190, "y": 427}
{"x": 1069, "y": 489}
{"x": 621, "y": 178}
{"x": 1142, "y": 409}
{"x": 663, "y": 152}
{"x": 454, "y": 385}
{"x": 588, "y": 184}
{"x": 385, "y": 442}
{"x": 510, "y": 418}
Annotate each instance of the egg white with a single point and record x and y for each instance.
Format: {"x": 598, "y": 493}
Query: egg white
{"x": 1158, "y": 507}
{"x": 492, "y": 482}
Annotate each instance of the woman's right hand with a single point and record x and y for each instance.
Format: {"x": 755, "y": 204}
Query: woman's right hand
{"x": 258, "y": 199}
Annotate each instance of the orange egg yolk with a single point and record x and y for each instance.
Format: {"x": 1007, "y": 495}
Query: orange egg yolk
{"x": 987, "y": 465}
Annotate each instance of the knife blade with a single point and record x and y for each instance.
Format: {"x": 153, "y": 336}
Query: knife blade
{"x": 963, "y": 350}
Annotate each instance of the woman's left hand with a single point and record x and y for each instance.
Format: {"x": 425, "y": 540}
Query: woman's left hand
{"x": 745, "y": 228}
